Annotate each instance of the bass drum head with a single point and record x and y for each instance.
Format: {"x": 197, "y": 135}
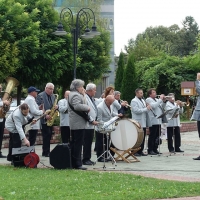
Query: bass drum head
{"x": 125, "y": 135}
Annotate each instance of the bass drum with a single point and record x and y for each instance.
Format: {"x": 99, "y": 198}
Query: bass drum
{"x": 128, "y": 134}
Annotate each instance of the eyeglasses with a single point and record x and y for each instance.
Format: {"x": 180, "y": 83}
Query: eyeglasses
{"x": 50, "y": 88}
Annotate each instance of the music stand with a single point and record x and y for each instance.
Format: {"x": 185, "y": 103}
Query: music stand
{"x": 163, "y": 115}
{"x": 105, "y": 130}
{"x": 172, "y": 117}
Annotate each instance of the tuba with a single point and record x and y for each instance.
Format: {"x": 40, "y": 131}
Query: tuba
{"x": 12, "y": 82}
{"x": 53, "y": 113}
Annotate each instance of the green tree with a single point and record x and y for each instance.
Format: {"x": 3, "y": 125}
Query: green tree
{"x": 130, "y": 82}
{"x": 165, "y": 73}
{"x": 119, "y": 72}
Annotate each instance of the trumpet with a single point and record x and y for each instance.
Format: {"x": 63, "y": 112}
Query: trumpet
{"x": 164, "y": 96}
{"x": 182, "y": 103}
{"x": 121, "y": 101}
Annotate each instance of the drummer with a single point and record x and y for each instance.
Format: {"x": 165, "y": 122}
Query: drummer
{"x": 105, "y": 113}
{"x": 139, "y": 111}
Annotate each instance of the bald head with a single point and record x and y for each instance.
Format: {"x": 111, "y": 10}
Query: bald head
{"x": 66, "y": 94}
{"x": 109, "y": 100}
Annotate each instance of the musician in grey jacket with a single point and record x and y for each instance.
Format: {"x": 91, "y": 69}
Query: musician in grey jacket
{"x": 13, "y": 124}
{"x": 64, "y": 118}
{"x": 46, "y": 98}
{"x": 173, "y": 125}
{"x": 2, "y": 122}
{"x": 77, "y": 106}
{"x": 105, "y": 113}
{"x": 157, "y": 106}
{"x": 196, "y": 113}
{"x": 35, "y": 112}
{"x": 89, "y": 129}
{"x": 139, "y": 111}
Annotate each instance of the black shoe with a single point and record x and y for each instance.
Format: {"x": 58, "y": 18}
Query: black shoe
{"x": 88, "y": 162}
{"x": 80, "y": 168}
{"x": 172, "y": 151}
{"x": 143, "y": 154}
{"x": 179, "y": 150}
{"x": 45, "y": 154}
{"x": 198, "y": 158}
{"x": 152, "y": 153}
{"x": 157, "y": 152}
{"x": 2, "y": 156}
{"x": 102, "y": 160}
{"x": 137, "y": 154}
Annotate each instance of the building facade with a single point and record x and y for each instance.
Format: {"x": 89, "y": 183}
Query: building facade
{"x": 106, "y": 12}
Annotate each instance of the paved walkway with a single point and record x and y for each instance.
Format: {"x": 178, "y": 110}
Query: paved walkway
{"x": 179, "y": 166}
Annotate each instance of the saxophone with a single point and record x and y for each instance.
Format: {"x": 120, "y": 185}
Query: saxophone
{"x": 53, "y": 113}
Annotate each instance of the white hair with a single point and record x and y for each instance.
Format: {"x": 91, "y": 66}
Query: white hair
{"x": 49, "y": 85}
{"x": 116, "y": 93}
{"x": 77, "y": 83}
{"x": 90, "y": 86}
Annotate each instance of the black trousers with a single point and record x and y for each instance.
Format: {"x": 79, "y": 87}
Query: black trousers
{"x": 76, "y": 146}
{"x": 32, "y": 137}
{"x": 177, "y": 135}
{"x": 143, "y": 142}
{"x": 46, "y": 136}
{"x": 14, "y": 142}
{"x": 198, "y": 127}
{"x": 65, "y": 134}
{"x": 87, "y": 144}
{"x": 2, "y": 125}
{"x": 154, "y": 133}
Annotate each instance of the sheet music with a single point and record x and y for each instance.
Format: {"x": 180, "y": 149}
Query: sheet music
{"x": 111, "y": 121}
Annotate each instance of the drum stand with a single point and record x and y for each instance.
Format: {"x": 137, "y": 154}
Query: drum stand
{"x": 107, "y": 151}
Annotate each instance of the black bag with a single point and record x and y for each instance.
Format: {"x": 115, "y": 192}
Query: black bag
{"x": 60, "y": 156}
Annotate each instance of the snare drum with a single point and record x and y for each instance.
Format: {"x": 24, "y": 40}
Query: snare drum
{"x": 108, "y": 129}
{"x": 128, "y": 134}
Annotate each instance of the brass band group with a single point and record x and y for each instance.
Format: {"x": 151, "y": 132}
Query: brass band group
{"x": 81, "y": 114}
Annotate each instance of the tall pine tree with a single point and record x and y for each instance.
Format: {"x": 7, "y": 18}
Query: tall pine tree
{"x": 129, "y": 83}
{"x": 119, "y": 72}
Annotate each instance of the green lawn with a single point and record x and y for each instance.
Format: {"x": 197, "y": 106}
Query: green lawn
{"x": 50, "y": 184}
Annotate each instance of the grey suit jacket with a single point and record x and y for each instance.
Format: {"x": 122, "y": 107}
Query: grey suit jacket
{"x": 63, "y": 109}
{"x": 158, "y": 107}
{"x": 93, "y": 112}
{"x": 78, "y": 101}
{"x": 15, "y": 121}
{"x": 104, "y": 114}
{"x": 116, "y": 106}
{"x": 34, "y": 110}
{"x": 140, "y": 112}
{"x": 42, "y": 98}
{"x": 174, "y": 121}
{"x": 196, "y": 113}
